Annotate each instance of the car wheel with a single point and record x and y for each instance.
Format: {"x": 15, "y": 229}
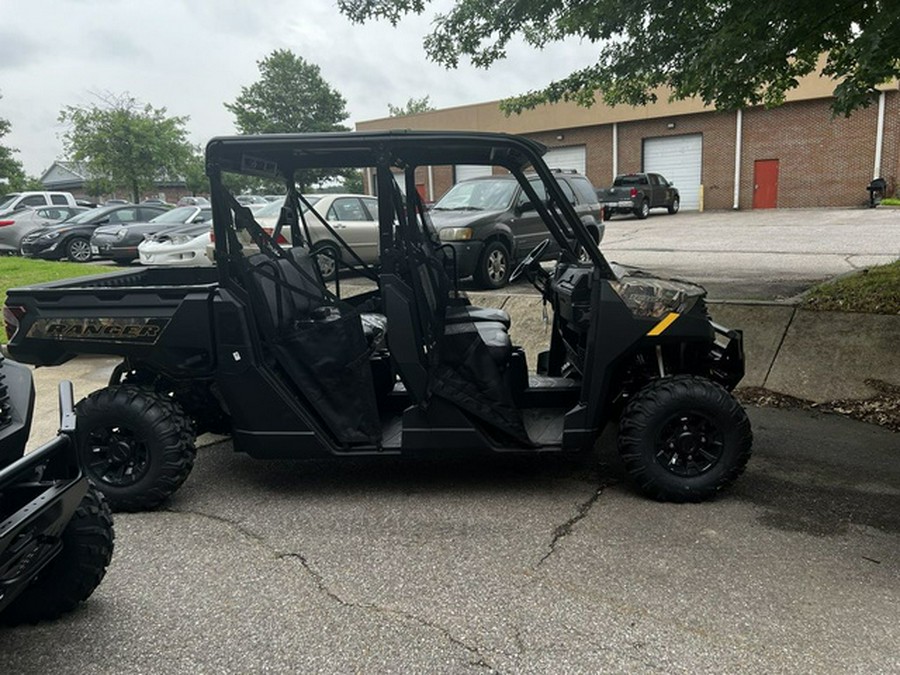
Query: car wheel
{"x": 78, "y": 249}
{"x": 607, "y": 214}
{"x": 137, "y": 445}
{"x": 643, "y": 210}
{"x": 673, "y": 209}
{"x": 71, "y": 577}
{"x": 494, "y": 266}
{"x": 684, "y": 438}
{"x": 327, "y": 255}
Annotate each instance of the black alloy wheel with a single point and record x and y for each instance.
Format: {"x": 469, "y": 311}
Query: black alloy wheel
{"x": 78, "y": 249}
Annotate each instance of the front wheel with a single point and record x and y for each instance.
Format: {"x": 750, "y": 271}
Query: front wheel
{"x": 684, "y": 439}
{"x": 71, "y": 577}
{"x": 674, "y": 206}
{"x": 78, "y": 249}
{"x": 494, "y": 266}
{"x": 136, "y": 444}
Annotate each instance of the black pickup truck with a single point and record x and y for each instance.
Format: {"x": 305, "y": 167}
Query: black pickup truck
{"x": 637, "y": 193}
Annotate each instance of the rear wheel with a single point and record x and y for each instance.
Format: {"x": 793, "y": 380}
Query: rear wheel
{"x": 684, "y": 438}
{"x": 327, "y": 255}
{"x": 674, "y": 206}
{"x": 78, "y": 249}
{"x": 137, "y": 445}
{"x": 71, "y": 577}
{"x": 643, "y": 210}
{"x": 494, "y": 266}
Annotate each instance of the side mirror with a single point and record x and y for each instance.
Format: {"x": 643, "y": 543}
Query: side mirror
{"x": 198, "y": 219}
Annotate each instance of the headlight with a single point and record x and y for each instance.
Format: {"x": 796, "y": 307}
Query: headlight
{"x": 180, "y": 238}
{"x": 51, "y": 235}
{"x": 120, "y": 235}
{"x": 455, "y": 234}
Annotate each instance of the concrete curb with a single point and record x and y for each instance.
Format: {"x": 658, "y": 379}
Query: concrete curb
{"x": 817, "y": 356}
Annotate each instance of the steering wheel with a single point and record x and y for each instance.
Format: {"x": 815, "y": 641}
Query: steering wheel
{"x": 530, "y": 259}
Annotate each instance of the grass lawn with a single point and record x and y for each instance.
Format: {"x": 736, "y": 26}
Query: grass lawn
{"x": 15, "y": 271}
{"x": 873, "y": 291}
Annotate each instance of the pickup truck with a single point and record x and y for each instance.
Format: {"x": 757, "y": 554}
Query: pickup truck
{"x": 15, "y": 201}
{"x": 637, "y": 193}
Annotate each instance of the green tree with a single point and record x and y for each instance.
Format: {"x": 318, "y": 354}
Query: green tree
{"x": 729, "y": 52}
{"x": 195, "y": 179}
{"x": 413, "y": 106}
{"x": 291, "y": 96}
{"x": 125, "y": 142}
{"x": 10, "y": 167}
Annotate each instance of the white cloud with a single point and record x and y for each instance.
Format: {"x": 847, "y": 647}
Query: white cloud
{"x": 191, "y": 56}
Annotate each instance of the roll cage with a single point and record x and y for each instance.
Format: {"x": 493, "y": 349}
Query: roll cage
{"x": 279, "y": 156}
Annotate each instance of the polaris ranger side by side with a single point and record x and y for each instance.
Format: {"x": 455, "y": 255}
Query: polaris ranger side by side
{"x": 261, "y": 348}
{"x": 56, "y": 534}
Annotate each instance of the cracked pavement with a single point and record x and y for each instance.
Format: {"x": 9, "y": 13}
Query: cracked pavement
{"x": 518, "y": 566}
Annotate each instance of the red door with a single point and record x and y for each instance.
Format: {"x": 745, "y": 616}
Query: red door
{"x": 765, "y": 184}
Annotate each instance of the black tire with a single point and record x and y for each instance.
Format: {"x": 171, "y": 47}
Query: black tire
{"x": 684, "y": 439}
{"x": 78, "y": 249}
{"x": 674, "y": 206}
{"x": 642, "y": 211}
{"x": 326, "y": 259}
{"x": 137, "y": 445}
{"x": 494, "y": 266}
{"x": 71, "y": 577}
{"x": 607, "y": 214}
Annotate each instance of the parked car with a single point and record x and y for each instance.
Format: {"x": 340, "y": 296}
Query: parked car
{"x": 354, "y": 217}
{"x": 637, "y": 193}
{"x": 158, "y": 202}
{"x": 193, "y": 201}
{"x": 14, "y": 201}
{"x": 120, "y": 242}
{"x": 247, "y": 200}
{"x": 72, "y": 238}
{"x": 181, "y": 246}
{"x": 491, "y": 223}
{"x": 16, "y": 225}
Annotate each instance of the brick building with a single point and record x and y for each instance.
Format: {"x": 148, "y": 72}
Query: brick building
{"x": 796, "y": 155}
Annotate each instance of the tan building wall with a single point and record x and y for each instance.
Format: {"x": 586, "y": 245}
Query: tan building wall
{"x": 823, "y": 161}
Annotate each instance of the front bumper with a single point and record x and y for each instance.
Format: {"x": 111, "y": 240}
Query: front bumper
{"x": 188, "y": 254}
{"x": 467, "y": 255}
{"x": 36, "y": 249}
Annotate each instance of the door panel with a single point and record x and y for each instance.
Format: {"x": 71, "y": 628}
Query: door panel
{"x": 765, "y": 184}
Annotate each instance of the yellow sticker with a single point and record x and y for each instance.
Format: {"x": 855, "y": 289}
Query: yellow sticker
{"x": 665, "y": 323}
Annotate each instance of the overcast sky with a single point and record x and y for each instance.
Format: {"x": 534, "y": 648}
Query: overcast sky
{"x": 191, "y": 56}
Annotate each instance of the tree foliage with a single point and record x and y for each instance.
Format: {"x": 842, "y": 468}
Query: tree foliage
{"x": 729, "y": 52}
{"x": 413, "y": 106}
{"x": 126, "y": 143}
{"x": 10, "y": 167}
{"x": 291, "y": 96}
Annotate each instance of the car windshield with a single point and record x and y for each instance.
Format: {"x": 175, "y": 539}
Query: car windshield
{"x": 177, "y": 215}
{"x": 272, "y": 209}
{"x": 7, "y": 200}
{"x": 478, "y": 195}
{"x": 88, "y": 216}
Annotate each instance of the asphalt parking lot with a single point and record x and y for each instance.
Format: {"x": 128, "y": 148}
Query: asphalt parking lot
{"x": 535, "y": 566}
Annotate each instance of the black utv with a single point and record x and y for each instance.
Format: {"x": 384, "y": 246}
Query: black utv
{"x": 261, "y": 348}
{"x": 56, "y": 536}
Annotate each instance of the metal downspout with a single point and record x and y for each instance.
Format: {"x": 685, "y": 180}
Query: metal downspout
{"x": 738, "y": 140}
{"x": 879, "y": 137}
{"x": 615, "y": 150}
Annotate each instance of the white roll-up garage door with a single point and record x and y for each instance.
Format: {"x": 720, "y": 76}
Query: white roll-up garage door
{"x": 573, "y": 157}
{"x": 467, "y": 171}
{"x": 679, "y": 159}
